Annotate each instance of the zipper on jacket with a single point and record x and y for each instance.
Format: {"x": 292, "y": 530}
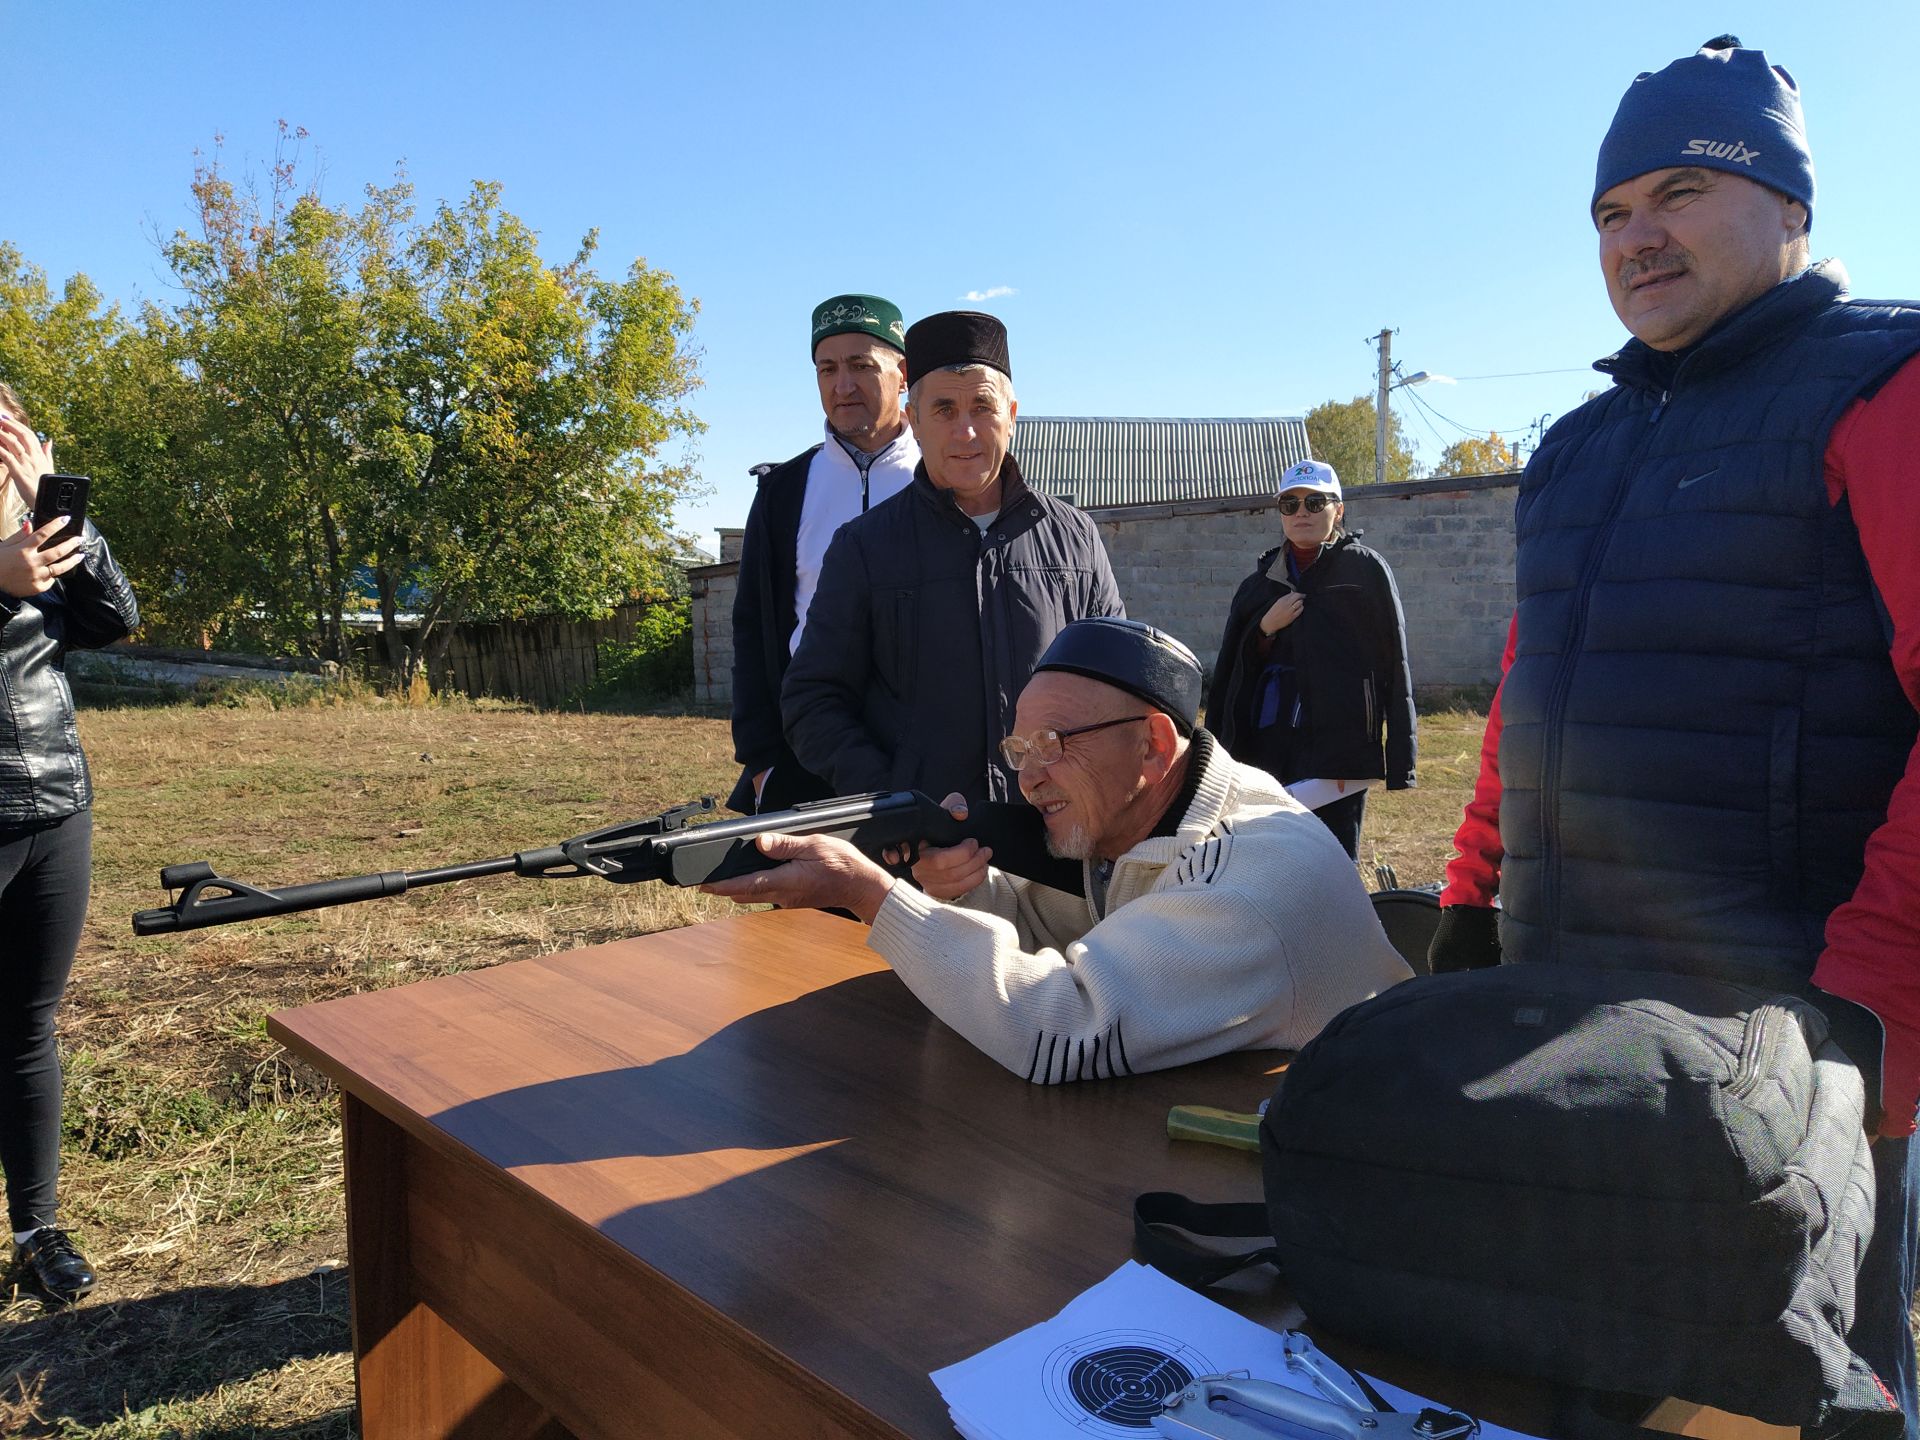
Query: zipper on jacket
{"x": 1563, "y": 682}
{"x": 1756, "y": 1048}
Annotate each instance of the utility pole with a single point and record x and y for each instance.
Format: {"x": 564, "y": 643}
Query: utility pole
{"x": 1385, "y": 341}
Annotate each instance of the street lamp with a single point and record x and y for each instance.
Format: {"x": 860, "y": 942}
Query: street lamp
{"x": 1391, "y": 379}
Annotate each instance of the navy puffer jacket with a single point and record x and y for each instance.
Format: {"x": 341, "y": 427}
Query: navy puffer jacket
{"x": 924, "y": 630}
{"x": 1702, "y": 725}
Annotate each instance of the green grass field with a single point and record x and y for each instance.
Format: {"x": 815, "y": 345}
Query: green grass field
{"x": 202, "y": 1169}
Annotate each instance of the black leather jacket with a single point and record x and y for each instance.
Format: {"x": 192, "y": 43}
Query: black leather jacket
{"x": 43, "y": 775}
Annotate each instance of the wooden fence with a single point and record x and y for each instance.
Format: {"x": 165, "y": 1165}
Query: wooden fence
{"x": 543, "y": 662}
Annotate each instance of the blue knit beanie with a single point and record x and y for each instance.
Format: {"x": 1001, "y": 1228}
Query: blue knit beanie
{"x": 1722, "y": 108}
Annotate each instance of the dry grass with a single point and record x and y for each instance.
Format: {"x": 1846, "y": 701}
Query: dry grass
{"x": 202, "y": 1171}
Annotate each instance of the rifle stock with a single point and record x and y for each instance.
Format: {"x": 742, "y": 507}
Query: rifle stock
{"x": 662, "y": 848}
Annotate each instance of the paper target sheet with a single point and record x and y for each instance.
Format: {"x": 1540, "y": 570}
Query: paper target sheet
{"x": 1105, "y": 1365}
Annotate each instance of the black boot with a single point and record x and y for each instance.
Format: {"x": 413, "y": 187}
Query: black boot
{"x": 49, "y": 1262}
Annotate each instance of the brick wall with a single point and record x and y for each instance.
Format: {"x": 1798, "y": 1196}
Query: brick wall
{"x": 1450, "y": 543}
{"x": 713, "y": 587}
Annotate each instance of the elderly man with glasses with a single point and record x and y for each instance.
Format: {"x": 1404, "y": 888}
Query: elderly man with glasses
{"x": 1219, "y": 914}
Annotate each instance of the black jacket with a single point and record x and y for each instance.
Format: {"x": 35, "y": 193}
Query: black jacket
{"x": 764, "y": 617}
{"x": 924, "y": 631}
{"x": 1349, "y": 653}
{"x": 43, "y": 775}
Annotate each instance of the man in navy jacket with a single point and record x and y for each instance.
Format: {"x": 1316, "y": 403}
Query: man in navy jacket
{"x": 1703, "y": 754}
{"x": 934, "y": 608}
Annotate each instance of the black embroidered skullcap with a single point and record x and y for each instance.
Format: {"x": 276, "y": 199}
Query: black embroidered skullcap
{"x": 1135, "y": 657}
{"x": 956, "y": 337}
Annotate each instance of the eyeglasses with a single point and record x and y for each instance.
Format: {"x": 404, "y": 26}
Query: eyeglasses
{"x": 1290, "y": 504}
{"x": 1045, "y": 747}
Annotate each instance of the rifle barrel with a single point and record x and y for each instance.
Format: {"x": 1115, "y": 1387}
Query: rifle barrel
{"x": 197, "y": 910}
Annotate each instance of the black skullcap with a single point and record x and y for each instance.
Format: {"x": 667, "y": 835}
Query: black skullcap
{"x": 956, "y": 337}
{"x": 1134, "y": 656}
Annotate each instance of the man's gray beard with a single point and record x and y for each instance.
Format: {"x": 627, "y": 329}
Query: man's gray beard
{"x": 1077, "y": 846}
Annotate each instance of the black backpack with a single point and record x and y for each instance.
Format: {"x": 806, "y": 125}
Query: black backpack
{"x": 1619, "y": 1181}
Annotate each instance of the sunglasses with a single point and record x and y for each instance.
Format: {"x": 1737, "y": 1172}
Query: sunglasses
{"x": 1290, "y": 504}
{"x": 1045, "y": 747}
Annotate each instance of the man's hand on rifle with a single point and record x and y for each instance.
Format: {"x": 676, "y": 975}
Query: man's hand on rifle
{"x": 819, "y": 871}
{"x": 949, "y": 873}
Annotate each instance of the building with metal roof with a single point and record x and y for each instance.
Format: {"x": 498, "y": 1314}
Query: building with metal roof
{"x": 1100, "y": 463}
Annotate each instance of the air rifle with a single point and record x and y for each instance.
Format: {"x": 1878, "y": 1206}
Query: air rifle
{"x": 663, "y": 847}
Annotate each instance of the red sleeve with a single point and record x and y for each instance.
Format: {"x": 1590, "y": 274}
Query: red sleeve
{"x": 1873, "y": 940}
{"x": 1473, "y": 875}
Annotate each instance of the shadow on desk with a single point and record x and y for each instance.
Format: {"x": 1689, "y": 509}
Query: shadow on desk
{"x": 827, "y": 1170}
{"x": 783, "y": 1077}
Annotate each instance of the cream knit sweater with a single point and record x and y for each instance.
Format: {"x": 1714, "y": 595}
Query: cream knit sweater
{"x": 1246, "y": 929}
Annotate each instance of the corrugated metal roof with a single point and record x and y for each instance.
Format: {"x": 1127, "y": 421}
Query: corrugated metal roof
{"x": 1099, "y": 462}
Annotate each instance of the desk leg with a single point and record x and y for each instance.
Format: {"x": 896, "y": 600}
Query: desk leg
{"x": 418, "y": 1378}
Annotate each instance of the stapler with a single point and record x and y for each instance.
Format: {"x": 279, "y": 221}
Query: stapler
{"x": 1234, "y": 1407}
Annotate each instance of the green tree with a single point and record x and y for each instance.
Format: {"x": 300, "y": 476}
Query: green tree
{"x": 140, "y": 432}
{"x": 518, "y": 412}
{"x": 1491, "y": 456}
{"x": 1342, "y": 434}
{"x": 53, "y": 348}
{"x": 118, "y": 408}
{"x": 348, "y": 401}
{"x": 271, "y": 330}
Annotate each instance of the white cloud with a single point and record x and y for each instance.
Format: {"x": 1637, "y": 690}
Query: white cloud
{"x": 993, "y": 292}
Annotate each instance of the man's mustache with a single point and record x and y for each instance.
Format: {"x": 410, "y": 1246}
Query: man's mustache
{"x": 1632, "y": 270}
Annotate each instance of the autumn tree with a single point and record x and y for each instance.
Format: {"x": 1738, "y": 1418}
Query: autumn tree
{"x": 1342, "y": 434}
{"x": 516, "y": 419}
{"x": 1472, "y": 456}
{"x": 272, "y": 331}
{"x": 113, "y": 399}
{"x": 53, "y": 347}
{"x": 348, "y": 407}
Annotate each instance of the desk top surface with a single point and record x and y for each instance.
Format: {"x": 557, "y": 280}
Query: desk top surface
{"x": 759, "y": 1110}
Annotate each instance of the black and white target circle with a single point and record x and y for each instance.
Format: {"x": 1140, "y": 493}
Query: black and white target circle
{"x": 1112, "y": 1384}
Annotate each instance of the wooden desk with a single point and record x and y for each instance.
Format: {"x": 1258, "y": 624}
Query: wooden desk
{"x": 731, "y": 1180}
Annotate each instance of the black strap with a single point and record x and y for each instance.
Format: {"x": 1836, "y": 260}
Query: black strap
{"x": 1861, "y": 1411}
{"x": 1160, "y": 1216}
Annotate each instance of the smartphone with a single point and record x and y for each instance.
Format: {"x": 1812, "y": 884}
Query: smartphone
{"x": 61, "y": 495}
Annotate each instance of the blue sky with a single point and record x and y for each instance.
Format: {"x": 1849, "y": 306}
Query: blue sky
{"x": 1193, "y": 209}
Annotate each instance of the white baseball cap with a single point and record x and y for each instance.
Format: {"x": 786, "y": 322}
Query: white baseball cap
{"x": 1311, "y": 475}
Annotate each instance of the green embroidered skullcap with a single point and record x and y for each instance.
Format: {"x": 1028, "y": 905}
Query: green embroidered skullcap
{"x": 860, "y": 315}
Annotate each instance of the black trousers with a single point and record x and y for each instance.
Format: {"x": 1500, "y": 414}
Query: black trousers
{"x": 1344, "y": 817}
{"x": 43, "y": 901}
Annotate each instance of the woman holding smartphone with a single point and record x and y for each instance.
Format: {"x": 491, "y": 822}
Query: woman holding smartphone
{"x": 55, "y": 595}
{"x": 1311, "y": 683}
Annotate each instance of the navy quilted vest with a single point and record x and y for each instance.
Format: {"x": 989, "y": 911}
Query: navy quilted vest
{"x": 1701, "y": 726}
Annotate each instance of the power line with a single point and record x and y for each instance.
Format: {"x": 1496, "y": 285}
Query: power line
{"x": 1438, "y": 439}
{"x": 1467, "y": 430}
